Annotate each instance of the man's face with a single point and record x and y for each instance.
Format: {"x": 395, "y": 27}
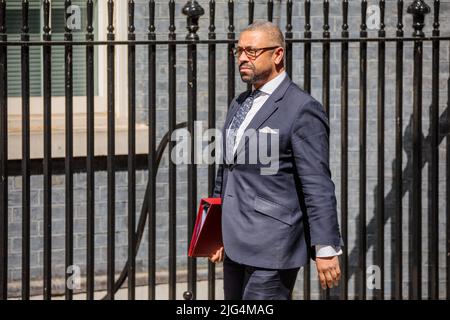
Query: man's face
{"x": 259, "y": 67}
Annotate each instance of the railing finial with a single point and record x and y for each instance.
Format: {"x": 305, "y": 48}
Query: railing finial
{"x": 399, "y": 17}
{"x": 270, "y": 10}
{"x": 131, "y": 27}
{"x": 289, "y": 16}
{"x": 231, "y": 16}
{"x": 436, "y": 16}
{"x": 151, "y": 15}
{"x": 193, "y": 10}
{"x": 172, "y": 26}
{"x": 326, "y": 14}
{"x": 187, "y": 295}
{"x": 307, "y": 17}
{"x": 90, "y": 17}
{"x": 25, "y": 26}
{"x": 212, "y": 15}
{"x": 251, "y": 11}
{"x": 418, "y": 9}
{"x": 345, "y": 16}
{"x": 2, "y": 16}
{"x": 363, "y": 26}
{"x": 67, "y": 4}
{"x": 382, "y": 6}
{"x": 110, "y": 27}
{"x": 46, "y": 27}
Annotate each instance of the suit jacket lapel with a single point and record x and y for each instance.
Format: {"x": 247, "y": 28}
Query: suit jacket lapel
{"x": 267, "y": 109}
{"x": 235, "y": 107}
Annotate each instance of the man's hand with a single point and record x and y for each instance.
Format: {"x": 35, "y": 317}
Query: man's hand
{"x": 329, "y": 271}
{"x": 218, "y": 256}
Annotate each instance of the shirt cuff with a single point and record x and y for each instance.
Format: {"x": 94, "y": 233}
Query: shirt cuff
{"x": 327, "y": 251}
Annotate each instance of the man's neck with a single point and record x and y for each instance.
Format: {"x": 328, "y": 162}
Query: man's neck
{"x": 271, "y": 77}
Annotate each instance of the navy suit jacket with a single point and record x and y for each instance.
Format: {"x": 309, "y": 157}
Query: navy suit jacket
{"x": 275, "y": 220}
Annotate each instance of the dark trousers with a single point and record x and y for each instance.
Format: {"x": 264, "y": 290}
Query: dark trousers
{"x": 242, "y": 282}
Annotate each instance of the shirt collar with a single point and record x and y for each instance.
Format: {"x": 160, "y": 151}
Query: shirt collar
{"x": 270, "y": 86}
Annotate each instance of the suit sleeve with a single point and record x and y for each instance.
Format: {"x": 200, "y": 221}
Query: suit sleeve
{"x": 310, "y": 147}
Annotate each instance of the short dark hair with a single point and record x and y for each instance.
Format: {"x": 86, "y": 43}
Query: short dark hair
{"x": 275, "y": 32}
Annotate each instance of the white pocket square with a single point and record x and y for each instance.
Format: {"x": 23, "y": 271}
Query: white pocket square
{"x": 268, "y": 130}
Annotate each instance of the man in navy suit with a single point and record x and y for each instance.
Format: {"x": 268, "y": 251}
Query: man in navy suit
{"x": 274, "y": 220}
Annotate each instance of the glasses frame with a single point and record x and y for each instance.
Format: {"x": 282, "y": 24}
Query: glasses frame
{"x": 252, "y": 56}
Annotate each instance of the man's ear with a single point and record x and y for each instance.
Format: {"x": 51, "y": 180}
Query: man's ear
{"x": 279, "y": 55}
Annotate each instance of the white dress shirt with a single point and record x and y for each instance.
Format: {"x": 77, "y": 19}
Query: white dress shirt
{"x": 266, "y": 90}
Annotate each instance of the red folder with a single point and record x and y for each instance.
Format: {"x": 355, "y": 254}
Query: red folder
{"x": 207, "y": 234}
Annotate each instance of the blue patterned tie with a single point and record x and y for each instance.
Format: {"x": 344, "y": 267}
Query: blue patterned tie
{"x": 237, "y": 121}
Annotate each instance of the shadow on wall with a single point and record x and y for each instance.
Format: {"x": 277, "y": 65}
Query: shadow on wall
{"x": 389, "y": 199}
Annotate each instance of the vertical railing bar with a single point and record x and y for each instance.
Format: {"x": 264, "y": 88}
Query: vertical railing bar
{"x": 211, "y": 125}
{"x": 326, "y": 59}
{"x": 251, "y": 15}
{"x": 416, "y": 264}
{"x": 90, "y": 143}
{"x": 326, "y": 79}
{"x": 307, "y": 47}
{"x": 447, "y": 197}
{"x": 344, "y": 150}
{"x": 270, "y": 10}
{"x": 131, "y": 153}
{"x": 68, "y": 56}
{"x": 192, "y": 167}
{"x": 398, "y": 255}
{"x": 111, "y": 154}
{"x": 152, "y": 154}
{"x": 231, "y": 58}
{"x": 362, "y": 154}
{"x": 193, "y": 11}
{"x": 380, "y": 153}
{"x": 251, "y": 11}
{"x": 26, "y": 218}
{"x": 47, "y": 163}
{"x": 3, "y": 157}
{"x": 172, "y": 166}
{"x": 307, "y": 87}
{"x": 417, "y": 153}
{"x": 289, "y": 35}
{"x": 418, "y": 9}
{"x": 433, "y": 234}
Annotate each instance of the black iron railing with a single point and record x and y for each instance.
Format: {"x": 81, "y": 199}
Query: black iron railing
{"x": 193, "y": 11}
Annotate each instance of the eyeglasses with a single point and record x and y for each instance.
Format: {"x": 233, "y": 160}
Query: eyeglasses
{"x": 250, "y": 52}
